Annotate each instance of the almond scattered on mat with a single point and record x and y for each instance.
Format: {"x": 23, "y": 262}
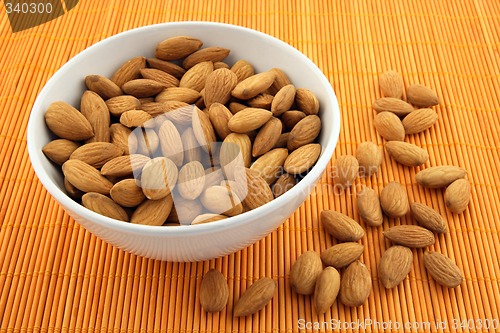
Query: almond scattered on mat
{"x": 355, "y": 284}
{"x": 255, "y": 297}
{"x": 442, "y": 269}
{"x": 394, "y": 265}
{"x": 214, "y": 291}
{"x": 305, "y": 271}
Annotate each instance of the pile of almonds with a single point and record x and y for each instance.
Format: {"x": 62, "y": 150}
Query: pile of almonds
{"x": 354, "y": 283}
{"x": 183, "y": 138}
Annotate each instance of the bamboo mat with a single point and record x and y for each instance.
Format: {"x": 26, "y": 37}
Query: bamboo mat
{"x": 55, "y": 276}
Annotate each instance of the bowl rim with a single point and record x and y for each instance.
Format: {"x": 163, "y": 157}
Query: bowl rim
{"x": 203, "y": 228}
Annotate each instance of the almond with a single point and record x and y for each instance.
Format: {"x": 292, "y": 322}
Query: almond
{"x": 304, "y": 132}
{"x": 389, "y": 126}
{"x": 214, "y": 291}
{"x": 96, "y": 111}
{"x": 282, "y": 140}
{"x": 394, "y": 200}
{"x": 283, "y": 100}
{"x": 165, "y": 79}
{"x": 419, "y": 120}
{"x": 202, "y": 128}
{"x": 184, "y": 211}
{"x": 85, "y": 177}
{"x": 305, "y": 271}
{"x": 284, "y": 183}
{"x": 192, "y": 150}
{"x": 239, "y": 188}
{"x": 219, "y": 117}
{"x": 346, "y": 170}
{"x": 259, "y": 192}
{"x": 158, "y": 178}
{"x": 164, "y": 108}
{"x": 243, "y": 69}
{"x": 341, "y": 226}
{"x": 178, "y": 47}
{"x": 97, "y": 153}
{"x": 291, "y": 118}
{"x": 119, "y": 104}
{"x": 270, "y": 165}
{"x": 235, "y": 154}
{"x": 428, "y": 218}
{"x": 391, "y": 84}
{"x": 196, "y": 77}
{"x": 457, "y": 196}
{"x": 410, "y": 236}
{"x": 59, "y": 150}
{"x": 342, "y": 255}
{"x": 103, "y": 86}
{"x": 180, "y": 113}
{"x": 443, "y": 269}
{"x": 72, "y": 191}
{"x": 280, "y": 81}
{"x": 147, "y": 141}
{"x": 369, "y": 208}
{"x": 213, "y": 176}
{"x": 129, "y": 71}
{"x": 421, "y": 96}
{"x": 395, "y": 265}
{"x": 302, "y": 159}
{"x": 171, "y": 142}
{"x": 221, "y": 64}
{"x": 306, "y": 101}
{"x": 355, "y": 285}
{"x": 213, "y": 54}
{"x": 103, "y": 205}
{"x": 142, "y": 88}
{"x": 267, "y": 137}
{"x": 253, "y": 85}
{"x": 207, "y": 218}
{"x": 123, "y": 166}
{"x": 191, "y": 181}
{"x": 393, "y": 105}
{"x": 248, "y": 120}
{"x": 439, "y": 176}
{"x": 236, "y": 107}
{"x": 220, "y": 200}
{"x": 369, "y": 157}
{"x": 326, "y": 289}
{"x": 262, "y": 101}
{"x": 219, "y": 85}
{"x": 406, "y": 153}
{"x": 136, "y": 118}
{"x": 153, "y": 212}
{"x": 122, "y": 137}
{"x": 127, "y": 193}
{"x": 67, "y": 122}
{"x": 167, "y": 67}
{"x": 255, "y": 297}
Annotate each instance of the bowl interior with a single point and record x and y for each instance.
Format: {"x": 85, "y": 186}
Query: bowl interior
{"x": 105, "y": 57}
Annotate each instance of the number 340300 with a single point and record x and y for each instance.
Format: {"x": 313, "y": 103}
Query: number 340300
{"x": 29, "y": 8}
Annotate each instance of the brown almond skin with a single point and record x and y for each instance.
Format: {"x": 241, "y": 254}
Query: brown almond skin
{"x": 342, "y": 255}
{"x": 421, "y": 96}
{"x": 326, "y": 289}
{"x": 85, "y": 177}
{"x": 394, "y": 105}
{"x": 270, "y": 164}
{"x": 218, "y": 86}
{"x": 214, "y": 291}
{"x": 96, "y": 111}
{"x": 127, "y": 193}
{"x": 302, "y": 159}
{"x": 305, "y": 271}
{"x": 253, "y": 85}
{"x": 284, "y": 183}
{"x": 153, "y": 212}
{"x": 255, "y": 297}
{"x": 103, "y": 86}
{"x": 59, "y": 150}
{"x": 262, "y": 101}
{"x": 267, "y": 137}
{"x": 439, "y": 176}
{"x": 166, "y": 66}
{"x": 341, "y": 226}
{"x": 259, "y": 192}
{"x": 406, "y": 153}
{"x": 410, "y": 236}
{"x": 177, "y": 47}
{"x": 243, "y": 69}
{"x": 140, "y": 88}
{"x": 369, "y": 156}
{"x": 283, "y": 100}
{"x": 389, "y": 126}
{"x": 213, "y": 54}
{"x": 167, "y": 80}
{"x": 369, "y": 208}
{"x": 304, "y": 132}
{"x": 346, "y": 170}
{"x": 457, "y": 196}
{"x": 394, "y": 200}
{"x": 130, "y": 70}
{"x": 442, "y": 269}
{"x": 97, "y": 153}
{"x": 391, "y": 84}
{"x": 355, "y": 285}
{"x": 249, "y": 119}
{"x": 119, "y": 104}
{"x": 419, "y": 120}
{"x": 394, "y": 265}
{"x": 306, "y": 101}
{"x": 103, "y": 205}
{"x": 291, "y": 118}
{"x": 67, "y": 122}
{"x": 428, "y": 218}
{"x": 196, "y": 77}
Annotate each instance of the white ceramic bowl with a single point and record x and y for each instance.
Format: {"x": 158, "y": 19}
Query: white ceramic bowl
{"x": 196, "y": 242}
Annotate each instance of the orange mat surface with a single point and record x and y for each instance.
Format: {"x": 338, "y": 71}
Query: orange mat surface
{"x": 55, "y": 276}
